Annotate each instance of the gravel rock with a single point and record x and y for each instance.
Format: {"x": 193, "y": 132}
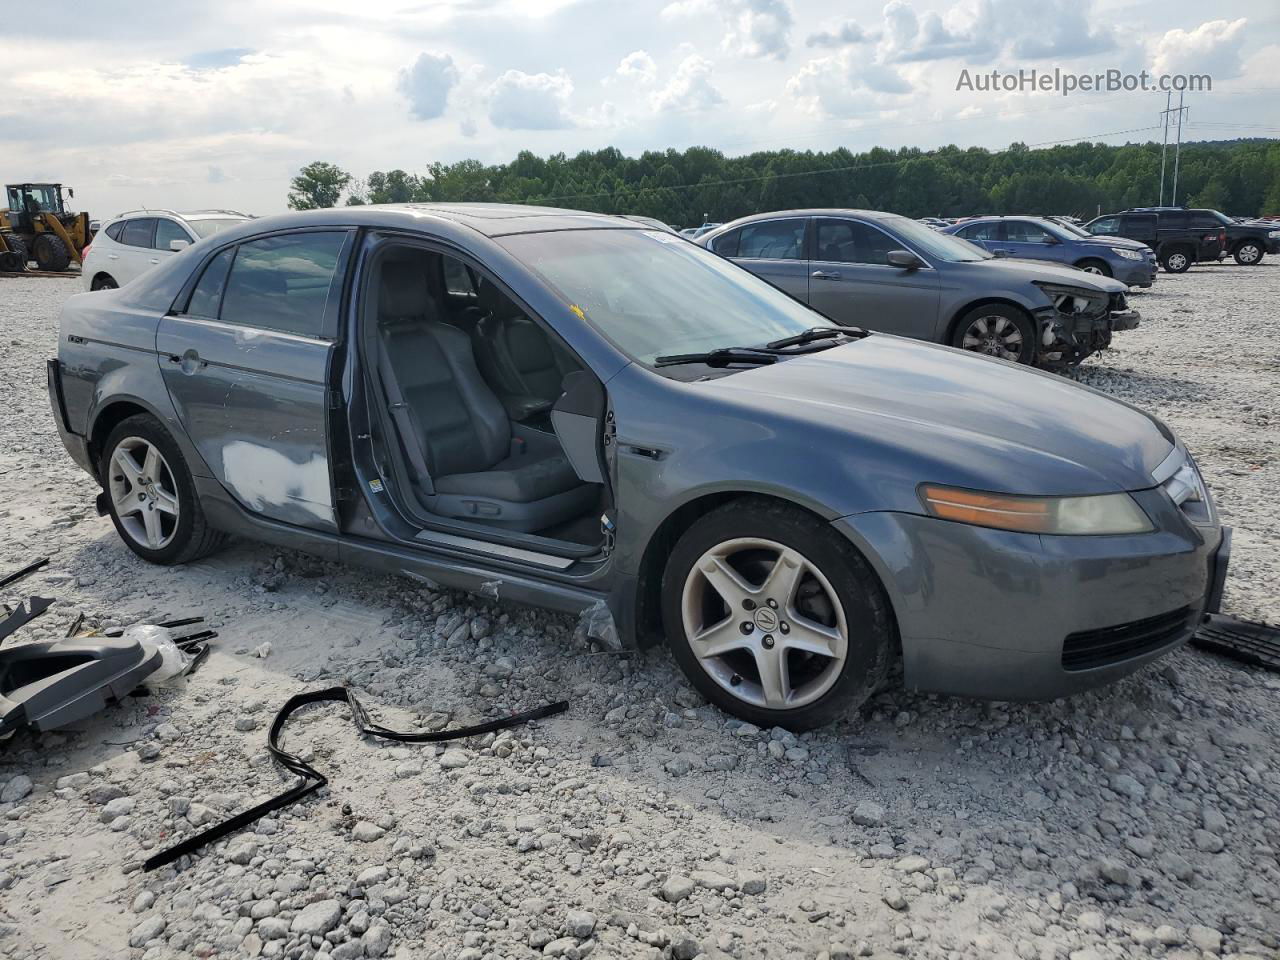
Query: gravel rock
{"x": 15, "y": 789}
{"x": 317, "y": 919}
{"x": 676, "y": 888}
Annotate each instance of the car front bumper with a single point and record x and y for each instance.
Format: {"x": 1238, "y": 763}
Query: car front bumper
{"x": 1136, "y": 273}
{"x": 1009, "y": 616}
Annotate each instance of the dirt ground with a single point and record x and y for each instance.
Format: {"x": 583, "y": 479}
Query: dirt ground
{"x": 1141, "y": 820}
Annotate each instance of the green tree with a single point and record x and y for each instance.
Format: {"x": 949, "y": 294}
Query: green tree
{"x": 317, "y": 185}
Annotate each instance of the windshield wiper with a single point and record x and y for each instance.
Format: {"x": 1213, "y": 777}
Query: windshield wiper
{"x": 720, "y": 357}
{"x": 815, "y": 333}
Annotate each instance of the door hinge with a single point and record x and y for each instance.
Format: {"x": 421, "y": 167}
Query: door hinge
{"x": 608, "y": 530}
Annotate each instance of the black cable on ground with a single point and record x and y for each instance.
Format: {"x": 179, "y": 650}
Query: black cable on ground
{"x": 312, "y": 779}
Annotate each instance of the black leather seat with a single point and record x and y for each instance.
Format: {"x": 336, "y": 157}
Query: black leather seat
{"x": 523, "y": 364}
{"x": 471, "y": 461}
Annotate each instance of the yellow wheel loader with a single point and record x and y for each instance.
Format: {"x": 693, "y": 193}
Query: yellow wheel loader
{"x": 37, "y": 226}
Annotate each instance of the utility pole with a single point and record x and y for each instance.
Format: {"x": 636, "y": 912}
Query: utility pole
{"x": 1177, "y": 149}
{"x": 1164, "y": 145}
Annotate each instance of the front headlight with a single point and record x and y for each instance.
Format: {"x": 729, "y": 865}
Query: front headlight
{"x": 1103, "y": 514}
{"x": 1127, "y": 254}
{"x": 1273, "y": 235}
{"x": 1074, "y": 299}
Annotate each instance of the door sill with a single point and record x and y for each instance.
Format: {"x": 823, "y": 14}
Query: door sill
{"x": 501, "y": 551}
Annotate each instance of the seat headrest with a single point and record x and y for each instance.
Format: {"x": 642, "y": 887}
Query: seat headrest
{"x": 403, "y": 292}
{"x": 494, "y": 301}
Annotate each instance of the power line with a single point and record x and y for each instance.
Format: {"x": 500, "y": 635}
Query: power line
{"x": 812, "y": 173}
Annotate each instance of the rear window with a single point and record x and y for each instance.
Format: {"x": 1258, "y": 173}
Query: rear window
{"x": 282, "y": 283}
{"x": 138, "y": 233}
{"x": 207, "y": 228}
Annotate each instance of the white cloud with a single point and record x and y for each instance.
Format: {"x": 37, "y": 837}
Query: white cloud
{"x": 843, "y": 34}
{"x": 690, "y": 88}
{"x": 1213, "y": 47}
{"x": 427, "y": 83}
{"x": 753, "y": 28}
{"x": 523, "y": 101}
{"x": 846, "y": 85}
{"x": 638, "y": 65}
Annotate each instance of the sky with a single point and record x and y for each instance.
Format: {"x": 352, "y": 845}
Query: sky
{"x": 182, "y": 104}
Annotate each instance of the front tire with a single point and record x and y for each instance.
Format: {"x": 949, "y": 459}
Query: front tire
{"x": 1249, "y": 253}
{"x": 51, "y": 253}
{"x": 1098, "y": 268}
{"x": 151, "y": 496}
{"x": 997, "y": 330}
{"x": 774, "y": 617}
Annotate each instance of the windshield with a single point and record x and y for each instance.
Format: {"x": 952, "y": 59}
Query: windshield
{"x": 654, "y": 294}
{"x": 1071, "y": 228}
{"x": 207, "y": 228}
{"x": 927, "y": 240}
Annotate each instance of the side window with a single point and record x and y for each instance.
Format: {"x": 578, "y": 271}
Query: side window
{"x": 726, "y": 244}
{"x": 1106, "y": 227}
{"x": 115, "y": 230}
{"x": 457, "y": 278}
{"x": 206, "y": 298}
{"x": 1204, "y": 220}
{"x": 851, "y": 241}
{"x": 1174, "y": 220}
{"x": 772, "y": 240}
{"x": 138, "y": 233}
{"x": 167, "y": 230}
{"x": 1023, "y": 231}
{"x": 282, "y": 283}
{"x": 982, "y": 231}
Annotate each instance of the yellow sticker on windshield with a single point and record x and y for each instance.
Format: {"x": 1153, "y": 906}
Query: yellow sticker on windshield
{"x": 578, "y": 310}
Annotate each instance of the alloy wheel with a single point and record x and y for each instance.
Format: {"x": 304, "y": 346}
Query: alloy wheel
{"x": 994, "y": 335}
{"x": 1092, "y": 268}
{"x": 1248, "y": 254}
{"x": 764, "y": 623}
{"x": 144, "y": 493}
{"x": 1177, "y": 262}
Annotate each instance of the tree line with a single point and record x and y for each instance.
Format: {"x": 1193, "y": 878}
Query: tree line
{"x": 684, "y": 187}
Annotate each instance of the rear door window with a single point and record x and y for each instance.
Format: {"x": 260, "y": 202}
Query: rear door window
{"x": 206, "y": 298}
{"x": 138, "y": 233}
{"x": 1023, "y": 231}
{"x": 772, "y": 240}
{"x": 284, "y": 282}
{"x": 726, "y": 244}
{"x": 981, "y": 231}
{"x": 166, "y": 231}
{"x": 1173, "y": 220}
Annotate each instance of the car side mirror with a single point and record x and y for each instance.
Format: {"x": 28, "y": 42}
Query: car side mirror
{"x": 904, "y": 259}
{"x": 176, "y": 245}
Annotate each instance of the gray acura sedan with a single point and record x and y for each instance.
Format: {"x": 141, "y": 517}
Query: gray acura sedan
{"x": 576, "y": 411}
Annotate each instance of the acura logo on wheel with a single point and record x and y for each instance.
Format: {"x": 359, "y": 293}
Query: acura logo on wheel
{"x": 766, "y": 619}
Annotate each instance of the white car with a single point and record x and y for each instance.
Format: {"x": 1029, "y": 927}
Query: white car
{"x": 136, "y": 241}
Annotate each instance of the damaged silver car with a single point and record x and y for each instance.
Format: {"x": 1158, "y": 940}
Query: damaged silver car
{"x": 577, "y": 411}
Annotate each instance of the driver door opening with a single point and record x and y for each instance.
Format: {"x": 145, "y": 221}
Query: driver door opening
{"x": 485, "y": 417}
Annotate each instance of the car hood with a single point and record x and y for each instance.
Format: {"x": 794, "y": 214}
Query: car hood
{"x": 1124, "y": 243}
{"x": 964, "y": 419}
{"x": 1011, "y": 270}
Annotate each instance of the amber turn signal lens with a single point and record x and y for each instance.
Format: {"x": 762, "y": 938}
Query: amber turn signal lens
{"x": 1027, "y": 514}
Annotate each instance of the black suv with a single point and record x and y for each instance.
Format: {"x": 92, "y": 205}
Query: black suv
{"x": 1179, "y": 237}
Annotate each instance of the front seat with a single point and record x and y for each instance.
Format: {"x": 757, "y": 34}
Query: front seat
{"x": 524, "y": 365}
{"x": 467, "y": 458}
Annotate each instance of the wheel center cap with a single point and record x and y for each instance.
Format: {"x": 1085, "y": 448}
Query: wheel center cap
{"x": 766, "y": 619}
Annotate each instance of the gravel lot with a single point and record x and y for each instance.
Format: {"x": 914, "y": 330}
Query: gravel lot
{"x": 1142, "y": 820}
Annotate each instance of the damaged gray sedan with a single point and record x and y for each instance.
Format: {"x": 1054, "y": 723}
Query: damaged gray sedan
{"x": 576, "y": 411}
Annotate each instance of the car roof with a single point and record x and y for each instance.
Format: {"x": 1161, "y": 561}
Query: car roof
{"x": 487, "y": 219}
{"x": 817, "y": 212}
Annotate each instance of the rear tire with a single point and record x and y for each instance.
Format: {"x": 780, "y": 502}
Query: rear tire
{"x": 1177, "y": 260}
{"x": 104, "y": 281}
{"x": 812, "y": 627}
{"x": 18, "y": 249}
{"x": 137, "y": 486}
{"x": 997, "y": 330}
{"x": 1249, "y": 253}
{"x": 1097, "y": 267}
{"x": 51, "y": 253}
